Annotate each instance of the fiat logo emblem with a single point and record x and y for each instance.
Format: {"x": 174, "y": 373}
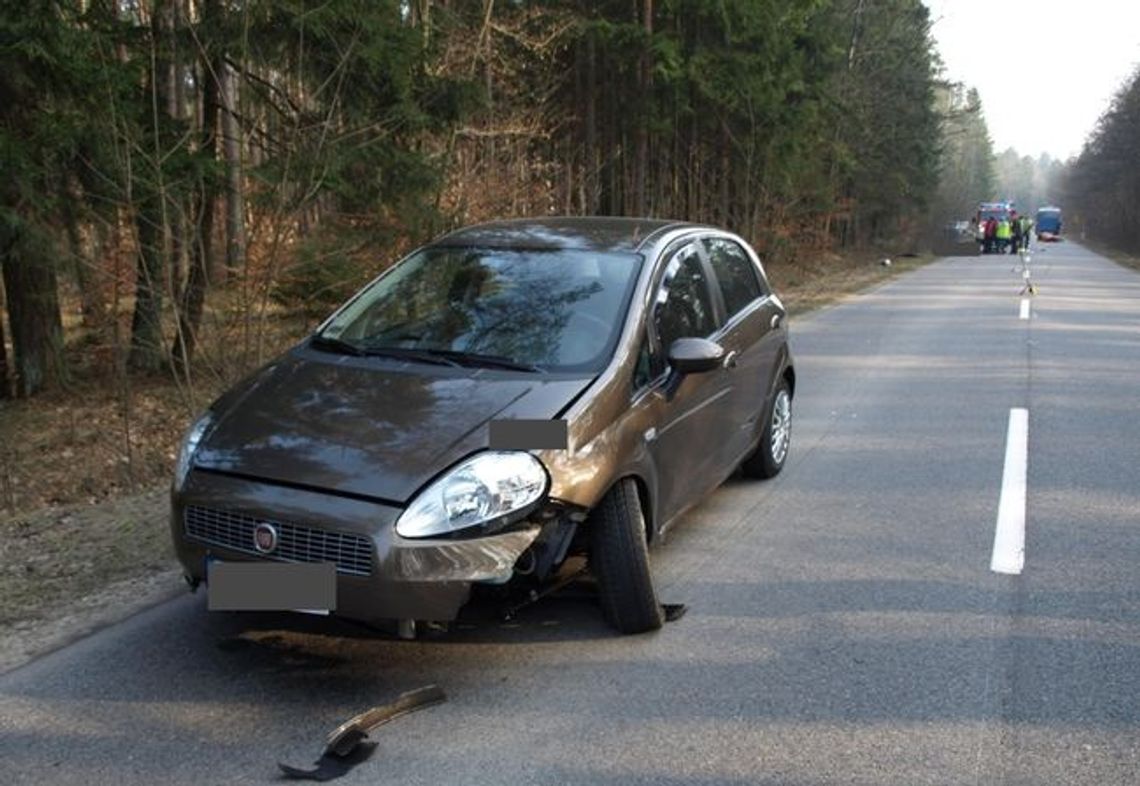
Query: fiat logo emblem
{"x": 265, "y": 537}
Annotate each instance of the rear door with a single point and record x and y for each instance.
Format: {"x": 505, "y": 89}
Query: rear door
{"x": 752, "y": 333}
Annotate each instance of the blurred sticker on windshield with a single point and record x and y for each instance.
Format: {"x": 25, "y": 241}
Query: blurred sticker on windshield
{"x": 528, "y": 435}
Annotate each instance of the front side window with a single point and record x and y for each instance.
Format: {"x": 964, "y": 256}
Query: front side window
{"x": 683, "y": 308}
{"x": 645, "y": 370}
{"x": 735, "y": 273}
{"x": 559, "y": 310}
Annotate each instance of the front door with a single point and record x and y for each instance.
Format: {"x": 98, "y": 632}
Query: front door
{"x": 688, "y": 446}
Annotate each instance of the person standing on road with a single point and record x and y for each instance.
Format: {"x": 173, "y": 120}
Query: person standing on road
{"x": 1026, "y": 231}
{"x": 1004, "y": 234}
{"x": 990, "y": 234}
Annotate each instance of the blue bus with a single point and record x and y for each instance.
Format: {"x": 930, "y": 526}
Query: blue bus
{"x": 1049, "y": 223}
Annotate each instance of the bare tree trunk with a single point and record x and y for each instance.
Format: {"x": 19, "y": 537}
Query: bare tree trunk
{"x": 611, "y": 199}
{"x": 5, "y": 386}
{"x": 216, "y": 74}
{"x": 844, "y": 90}
{"x": 177, "y": 223}
{"x": 590, "y": 207}
{"x": 151, "y": 220}
{"x": 645, "y": 88}
{"x": 232, "y": 144}
{"x": 33, "y": 315}
{"x": 420, "y": 16}
{"x": 725, "y": 174}
{"x": 83, "y": 259}
{"x": 146, "y": 325}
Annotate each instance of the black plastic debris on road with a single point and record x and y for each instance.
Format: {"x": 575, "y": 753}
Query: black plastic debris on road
{"x": 329, "y": 765}
{"x": 345, "y": 746}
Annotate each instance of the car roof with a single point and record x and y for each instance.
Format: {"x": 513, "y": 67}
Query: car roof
{"x": 585, "y": 233}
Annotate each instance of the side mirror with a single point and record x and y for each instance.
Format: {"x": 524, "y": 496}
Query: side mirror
{"x": 695, "y": 355}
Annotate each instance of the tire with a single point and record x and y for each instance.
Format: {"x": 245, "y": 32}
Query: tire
{"x": 619, "y": 560}
{"x": 769, "y": 457}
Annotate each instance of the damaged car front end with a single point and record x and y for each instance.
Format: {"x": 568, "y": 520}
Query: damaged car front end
{"x": 503, "y": 399}
{"x": 381, "y": 575}
{"x": 370, "y": 445}
{"x": 263, "y": 477}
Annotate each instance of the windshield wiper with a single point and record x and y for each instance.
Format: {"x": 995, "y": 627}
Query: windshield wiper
{"x": 439, "y": 357}
{"x": 406, "y": 353}
{"x": 336, "y": 345}
{"x": 396, "y": 353}
{"x": 485, "y": 361}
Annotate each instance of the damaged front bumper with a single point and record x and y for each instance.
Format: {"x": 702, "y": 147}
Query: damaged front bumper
{"x": 490, "y": 559}
{"x": 380, "y": 576}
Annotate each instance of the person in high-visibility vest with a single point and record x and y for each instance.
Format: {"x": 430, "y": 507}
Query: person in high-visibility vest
{"x": 1026, "y": 231}
{"x": 1004, "y": 234}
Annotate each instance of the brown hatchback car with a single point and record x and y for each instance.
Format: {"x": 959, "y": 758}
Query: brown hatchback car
{"x": 504, "y": 398}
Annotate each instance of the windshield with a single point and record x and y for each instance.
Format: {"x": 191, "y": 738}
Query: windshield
{"x": 985, "y": 214}
{"x": 551, "y": 310}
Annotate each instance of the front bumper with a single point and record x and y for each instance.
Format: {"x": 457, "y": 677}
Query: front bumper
{"x": 380, "y": 576}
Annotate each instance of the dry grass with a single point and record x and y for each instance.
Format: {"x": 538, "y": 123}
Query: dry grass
{"x": 1122, "y": 258}
{"x": 828, "y": 278}
{"x": 51, "y": 558}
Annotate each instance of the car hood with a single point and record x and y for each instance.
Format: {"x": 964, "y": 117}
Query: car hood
{"x": 368, "y": 426}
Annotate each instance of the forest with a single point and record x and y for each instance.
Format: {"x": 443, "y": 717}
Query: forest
{"x": 191, "y": 185}
{"x": 1101, "y": 187}
{"x": 184, "y": 168}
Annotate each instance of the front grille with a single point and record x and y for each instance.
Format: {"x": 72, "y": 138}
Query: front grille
{"x": 352, "y": 554}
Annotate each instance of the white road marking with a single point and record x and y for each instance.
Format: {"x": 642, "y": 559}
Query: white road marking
{"x": 1024, "y": 308}
{"x": 1009, "y": 536}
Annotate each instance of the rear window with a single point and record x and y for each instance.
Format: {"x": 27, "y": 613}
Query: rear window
{"x": 736, "y": 274}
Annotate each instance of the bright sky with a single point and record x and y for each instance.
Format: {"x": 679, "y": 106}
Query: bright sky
{"x": 1045, "y": 69}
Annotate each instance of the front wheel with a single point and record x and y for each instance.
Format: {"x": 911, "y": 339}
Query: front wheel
{"x": 619, "y": 559}
{"x": 769, "y": 457}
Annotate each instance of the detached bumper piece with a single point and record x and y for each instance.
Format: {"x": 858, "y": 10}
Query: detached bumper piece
{"x": 345, "y": 746}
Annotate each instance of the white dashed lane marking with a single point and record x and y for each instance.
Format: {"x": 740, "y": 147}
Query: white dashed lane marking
{"x": 1009, "y": 535}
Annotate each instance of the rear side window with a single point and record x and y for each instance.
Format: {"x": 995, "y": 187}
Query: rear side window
{"x": 736, "y": 274}
{"x": 684, "y": 307}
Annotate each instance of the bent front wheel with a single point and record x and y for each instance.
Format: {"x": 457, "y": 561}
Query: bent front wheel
{"x": 619, "y": 560}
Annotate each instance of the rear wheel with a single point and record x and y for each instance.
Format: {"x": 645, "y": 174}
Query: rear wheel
{"x": 769, "y": 457}
{"x": 619, "y": 559}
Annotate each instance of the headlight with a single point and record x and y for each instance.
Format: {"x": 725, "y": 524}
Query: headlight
{"x": 487, "y": 490}
{"x": 189, "y": 447}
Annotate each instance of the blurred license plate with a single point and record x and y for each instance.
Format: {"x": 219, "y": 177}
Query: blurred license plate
{"x": 271, "y": 586}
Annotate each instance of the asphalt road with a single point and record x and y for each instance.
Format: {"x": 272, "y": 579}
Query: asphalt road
{"x": 844, "y": 625}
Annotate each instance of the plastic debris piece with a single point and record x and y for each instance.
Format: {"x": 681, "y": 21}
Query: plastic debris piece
{"x": 345, "y": 746}
{"x": 330, "y": 766}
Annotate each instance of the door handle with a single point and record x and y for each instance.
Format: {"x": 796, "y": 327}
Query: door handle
{"x": 775, "y": 323}
{"x": 730, "y": 359}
